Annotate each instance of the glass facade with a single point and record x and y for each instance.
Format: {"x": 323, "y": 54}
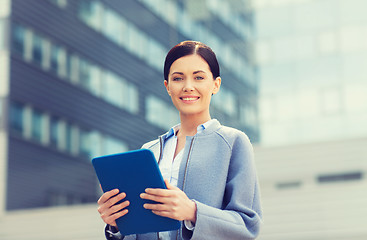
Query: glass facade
{"x": 78, "y": 70}
{"x": 312, "y": 69}
{"x": 161, "y": 113}
{"x": 56, "y": 133}
{"x": 18, "y": 42}
{"x": 37, "y": 49}
{"x": 16, "y": 117}
{"x": 37, "y": 129}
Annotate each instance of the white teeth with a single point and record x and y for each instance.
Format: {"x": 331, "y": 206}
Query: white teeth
{"x": 189, "y": 99}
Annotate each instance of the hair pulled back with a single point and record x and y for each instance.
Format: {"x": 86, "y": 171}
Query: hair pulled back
{"x": 189, "y": 48}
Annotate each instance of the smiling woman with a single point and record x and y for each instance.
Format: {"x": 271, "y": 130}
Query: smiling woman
{"x": 208, "y": 168}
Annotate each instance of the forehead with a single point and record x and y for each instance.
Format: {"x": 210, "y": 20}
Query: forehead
{"x": 189, "y": 63}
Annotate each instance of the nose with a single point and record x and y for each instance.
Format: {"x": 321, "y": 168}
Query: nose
{"x": 188, "y": 86}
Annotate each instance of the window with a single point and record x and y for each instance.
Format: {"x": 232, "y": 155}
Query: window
{"x": 288, "y": 185}
{"x": 16, "y": 117}
{"x": 95, "y": 141}
{"x": 69, "y": 138}
{"x": 170, "y": 13}
{"x": 225, "y": 101}
{"x": 120, "y": 93}
{"x": 134, "y": 36}
{"x": 141, "y": 44}
{"x": 89, "y": 77}
{"x": 68, "y": 65}
{"x": 37, "y": 131}
{"x": 248, "y": 115}
{"x": 131, "y": 99}
{"x": 95, "y": 80}
{"x": 112, "y": 145}
{"x": 350, "y": 176}
{"x": 55, "y": 136}
{"x": 73, "y": 68}
{"x": 91, "y": 13}
{"x": 19, "y": 39}
{"x": 59, "y": 3}
{"x": 55, "y": 65}
{"x": 112, "y": 26}
{"x": 84, "y": 74}
{"x": 113, "y": 89}
{"x": 84, "y": 143}
{"x": 160, "y": 113}
{"x": 37, "y": 49}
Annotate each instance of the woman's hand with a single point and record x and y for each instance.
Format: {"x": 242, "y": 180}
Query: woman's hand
{"x": 172, "y": 203}
{"x": 108, "y": 210}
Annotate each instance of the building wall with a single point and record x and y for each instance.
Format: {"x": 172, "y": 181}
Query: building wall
{"x": 314, "y": 191}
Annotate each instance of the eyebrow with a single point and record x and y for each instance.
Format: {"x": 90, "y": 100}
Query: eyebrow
{"x": 180, "y": 73}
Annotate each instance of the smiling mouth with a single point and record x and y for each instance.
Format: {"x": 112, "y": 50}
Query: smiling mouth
{"x": 189, "y": 98}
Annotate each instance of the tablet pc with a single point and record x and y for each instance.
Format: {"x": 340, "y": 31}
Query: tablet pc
{"x": 132, "y": 172}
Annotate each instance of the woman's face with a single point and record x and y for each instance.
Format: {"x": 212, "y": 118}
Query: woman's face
{"x": 191, "y": 85}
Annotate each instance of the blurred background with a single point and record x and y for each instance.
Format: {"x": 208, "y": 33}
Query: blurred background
{"x": 79, "y": 78}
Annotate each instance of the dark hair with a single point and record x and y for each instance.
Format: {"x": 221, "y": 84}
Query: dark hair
{"x": 188, "y": 48}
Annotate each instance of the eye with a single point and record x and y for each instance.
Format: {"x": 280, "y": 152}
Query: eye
{"x": 177, "y": 79}
{"x": 199, "y": 78}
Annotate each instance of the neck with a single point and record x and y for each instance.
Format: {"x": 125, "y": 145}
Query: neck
{"x": 190, "y": 123}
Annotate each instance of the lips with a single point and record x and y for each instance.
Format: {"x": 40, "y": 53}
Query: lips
{"x": 189, "y": 98}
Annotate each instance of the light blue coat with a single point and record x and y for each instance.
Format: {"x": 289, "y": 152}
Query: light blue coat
{"x": 217, "y": 171}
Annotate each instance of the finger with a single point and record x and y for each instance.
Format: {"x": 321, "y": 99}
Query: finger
{"x": 164, "y": 214}
{"x": 110, "y": 215}
{"x": 107, "y": 195}
{"x": 112, "y": 201}
{"x": 168, "y": 185}
{"x": 156, "y": 207}
{"x": 117, "y": 208}
{"x": 155, "y": 198}
{"x": 111, "y": 219}
{"x": 158, "y": 192}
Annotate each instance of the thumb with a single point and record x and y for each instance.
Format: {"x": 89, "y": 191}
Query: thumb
{"x": 168, "y": 185}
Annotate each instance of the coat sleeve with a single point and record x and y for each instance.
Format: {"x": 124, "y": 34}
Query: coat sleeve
{"x": 112, "y": 234}
{"x": 240, "y": 215}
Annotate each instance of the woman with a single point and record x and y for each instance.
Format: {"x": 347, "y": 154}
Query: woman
{"x": 208, "y": 168}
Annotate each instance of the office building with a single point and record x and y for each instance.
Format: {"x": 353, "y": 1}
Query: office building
{"x": 312, "y": 57}
{"x": 83, "y": 78}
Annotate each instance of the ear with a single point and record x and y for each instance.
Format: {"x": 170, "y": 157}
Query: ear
{"x": 217, "y": 83}
{"x": 167, "y": 87}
